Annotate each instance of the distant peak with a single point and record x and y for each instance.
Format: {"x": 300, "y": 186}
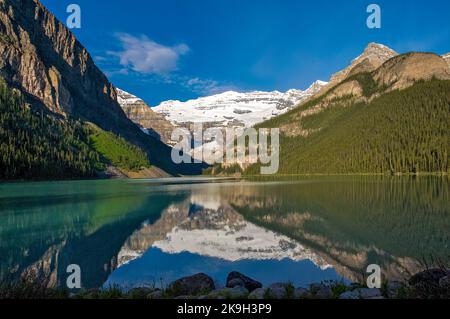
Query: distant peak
{"x": 125, "y": 98}
{"x": 379, "y": 49}
{"x": 377, "y": 45}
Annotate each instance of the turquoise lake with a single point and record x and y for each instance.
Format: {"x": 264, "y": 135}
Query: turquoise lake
{"x": 151, "y": 232}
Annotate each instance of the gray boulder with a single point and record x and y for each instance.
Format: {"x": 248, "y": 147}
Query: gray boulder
{"x": 192, "y": 285}
{"x": 258, "y": 294}
{"x": 301, "y": 293}
{"x": 237, "y": 282}
{"x": 235, "y": 279}
{"x": 321, "y": 291}
{"x": 277, "y": 291}
{"x": 157, "y": 294}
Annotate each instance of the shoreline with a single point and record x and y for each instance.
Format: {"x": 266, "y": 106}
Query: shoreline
{"x": 243, "y": 177}
{"x": 431, "y": 283}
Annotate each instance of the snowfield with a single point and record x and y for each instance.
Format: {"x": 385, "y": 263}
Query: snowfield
{"x": 234, "y": 109}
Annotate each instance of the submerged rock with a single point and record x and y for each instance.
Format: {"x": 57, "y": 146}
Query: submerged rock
{"x": 237, "y": 279}
{"x": 192, "y": 285}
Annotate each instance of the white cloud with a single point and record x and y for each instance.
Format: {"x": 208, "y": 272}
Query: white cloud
{"x": 151, "y": 61}
{"x": 145, "y": 56}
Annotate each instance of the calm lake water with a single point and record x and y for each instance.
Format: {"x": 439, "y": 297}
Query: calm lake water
{"x": 150, "y": 232}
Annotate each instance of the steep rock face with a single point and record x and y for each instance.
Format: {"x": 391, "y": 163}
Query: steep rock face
{"x": 140, "y": 113}
{"x": 42, "y": 58}
{"x": 404, "y": 70}
{"x": 397, "y": 73}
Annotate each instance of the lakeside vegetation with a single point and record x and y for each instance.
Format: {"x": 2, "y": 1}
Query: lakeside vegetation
{"x": 401, "y": 132}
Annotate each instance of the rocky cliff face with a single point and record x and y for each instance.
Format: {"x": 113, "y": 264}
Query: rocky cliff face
{"x": 140, "y": 113}
{"x": 366, "y": 80}
{"x": 42, "y": 58}
{"x": 406, "y": 69}
{"x": 397, "y": 73}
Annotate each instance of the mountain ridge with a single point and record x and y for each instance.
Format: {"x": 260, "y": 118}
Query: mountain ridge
{"x": 141, "y": 114}
{"x": 43, "y": 59}
{"x": 390, "y": 120}
{"x": 233, "y": 109}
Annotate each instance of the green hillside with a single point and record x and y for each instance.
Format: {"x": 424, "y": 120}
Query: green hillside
{"x": 404, "y": 131}
{"x": 39, "y": 145}
{"x": 117, "y": 151}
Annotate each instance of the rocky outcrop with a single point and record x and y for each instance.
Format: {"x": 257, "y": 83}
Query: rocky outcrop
{"x": 141, "y": 114}
{"x": 42, "y": 58}
{"x": 191, "y": 286}
{"x": 404, "y": 70}
{"x": 237, "y": 279}
{"x": 340, "y": 84}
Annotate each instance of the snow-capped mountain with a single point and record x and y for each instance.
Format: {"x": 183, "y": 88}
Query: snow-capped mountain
{"x": 205, "y": 226}
{"x": 141, "y": 114}
{"x": 234, "y": 109}
{"x": 124, "y": 98}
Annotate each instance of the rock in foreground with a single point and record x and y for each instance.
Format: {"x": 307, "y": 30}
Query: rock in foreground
{"x": 191, "y": 286}
{"x": 236, "y": 279}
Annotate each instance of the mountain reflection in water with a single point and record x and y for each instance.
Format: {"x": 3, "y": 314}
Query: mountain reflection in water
{"x": 150, "y": 232}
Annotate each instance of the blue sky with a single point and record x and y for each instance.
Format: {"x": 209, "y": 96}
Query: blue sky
{"x": 182, "y": 49}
